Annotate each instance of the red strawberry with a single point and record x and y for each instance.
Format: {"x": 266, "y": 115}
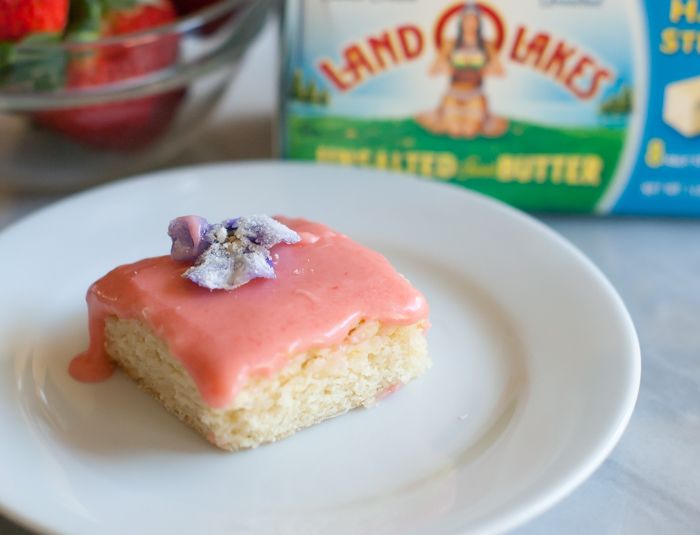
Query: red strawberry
{"x": 20, "y": 18}
{"x": 129, "y": 124}
{"x": 185, "y": 7}
{"x": 141, "y": 17}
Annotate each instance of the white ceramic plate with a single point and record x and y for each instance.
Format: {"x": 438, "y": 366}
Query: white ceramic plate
{"x": 536, "y": 371}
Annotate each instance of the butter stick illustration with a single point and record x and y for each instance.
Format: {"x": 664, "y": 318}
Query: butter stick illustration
{"x": 682, "y": 106}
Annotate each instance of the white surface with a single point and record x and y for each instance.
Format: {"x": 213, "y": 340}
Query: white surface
{"x": 535, "y": 376}
{"x": 650, "y": 485}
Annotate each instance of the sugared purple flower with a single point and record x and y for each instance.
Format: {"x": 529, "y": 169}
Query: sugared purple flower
{"x": 213, "y": 268}
{"x": 264, "y": 231}
{"x": 188, "y": 235}
{"x": 233, "y": 252}
{"x": 230, "y": 224}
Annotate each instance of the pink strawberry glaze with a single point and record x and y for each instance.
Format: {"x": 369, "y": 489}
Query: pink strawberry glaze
{"x": 326, "y": 284}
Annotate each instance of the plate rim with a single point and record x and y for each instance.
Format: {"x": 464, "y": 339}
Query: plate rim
{"x": 540, "y": 502}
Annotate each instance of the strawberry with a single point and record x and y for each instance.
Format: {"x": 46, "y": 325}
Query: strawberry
{"x": 142, "y": 16}
{"x": 129, "y": 124}
{"x": 185, "y": 7}
{"x": 21, "y": 18}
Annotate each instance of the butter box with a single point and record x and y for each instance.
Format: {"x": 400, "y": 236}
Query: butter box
{"x": 588, "y": 106}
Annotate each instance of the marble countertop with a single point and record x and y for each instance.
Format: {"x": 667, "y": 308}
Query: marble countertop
{"x": 651, "y": 482}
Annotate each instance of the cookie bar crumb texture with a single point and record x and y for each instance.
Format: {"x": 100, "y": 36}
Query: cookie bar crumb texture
{"x": 315, "y": 385}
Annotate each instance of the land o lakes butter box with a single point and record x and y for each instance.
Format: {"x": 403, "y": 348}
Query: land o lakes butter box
{"x": 559, "y": 105}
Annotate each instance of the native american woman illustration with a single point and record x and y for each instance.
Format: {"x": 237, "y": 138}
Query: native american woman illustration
{"x": 464, "y": 111}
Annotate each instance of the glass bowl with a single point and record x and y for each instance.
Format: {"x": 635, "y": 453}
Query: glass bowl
{"x": 73, "y": 114}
